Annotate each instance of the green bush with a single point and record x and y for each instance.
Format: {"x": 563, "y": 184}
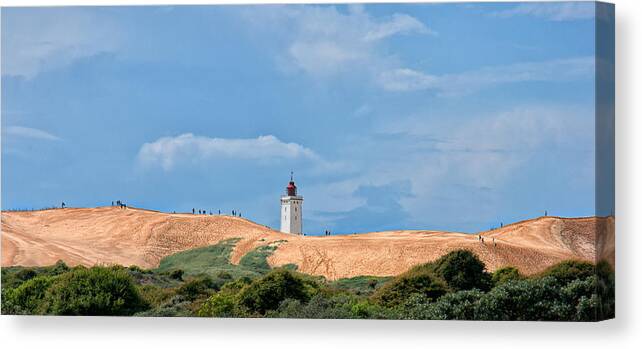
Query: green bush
{"x": 360, "y": 285}
{"x": 531, "y": 299}
{"x": 269, "y": 291}
{"x": 462, "y": 270}
{"x": 94, "y": 291}
{"x": 28, "y": 298}
{"x": 197, "y": 287}
{"x": 177, "y": 274}
{"x": 320, "y": 306}
{"x": 605, "y": 290}
{"x": 503, "y": 275}
{"x": 155, "y": 295}
{"x": 452, "y": 306}
{"x": 416, "y": 281}
{"x": 568, "y": 271}
{"x": 220, "y": 305}
{"x": 13, "y": 277}
{"x": 59, "y": 268}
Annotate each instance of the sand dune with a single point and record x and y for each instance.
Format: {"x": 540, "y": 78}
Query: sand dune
{"x": 108, "y": 235}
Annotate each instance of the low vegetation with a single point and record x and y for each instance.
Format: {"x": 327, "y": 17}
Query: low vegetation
{"x": 203, "y": 282}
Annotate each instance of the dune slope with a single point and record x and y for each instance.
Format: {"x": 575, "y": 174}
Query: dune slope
{"x": 107, "y": 235}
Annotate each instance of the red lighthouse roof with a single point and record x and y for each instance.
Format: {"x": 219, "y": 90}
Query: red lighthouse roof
{"x": 291, "y": 188}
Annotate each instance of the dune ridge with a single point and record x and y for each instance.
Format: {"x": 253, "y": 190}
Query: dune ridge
{"x": 108, "y": 235}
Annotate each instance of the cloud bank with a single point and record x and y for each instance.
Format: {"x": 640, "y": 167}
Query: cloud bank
{"x": 457, "y": 84}
{"x": 167, "y": 152}
{"x": 37, "y": 40}
{"x": 32, "y": 133}
{"x": 323, "y": 42}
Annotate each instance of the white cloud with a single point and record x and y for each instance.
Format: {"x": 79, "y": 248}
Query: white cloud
{"x": 322, "y": 41}
{"x": 555, "y": 11}
{"x": 37, "y": 40}
{"x": 475, "y": 156}
{"x": 466, "y": 82}
{"x": 398, "y": 24}
{"x": 407, "y": 80}
{"x": 486, "y": 150}
{"x": 28, "y": 132}
{"x": 169, "y": 151}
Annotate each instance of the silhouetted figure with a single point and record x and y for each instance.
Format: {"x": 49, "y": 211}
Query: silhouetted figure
{"x": 240, "y": 214}
{"x": 219, "y": 212}
{"x": 545, "y": 213}
{"x": 112, "y": 203}
{"x": 233, "y": 213}
{"x": 482, "y": 239}
{"x": 494, "y": 243}
{"x": 501, "y": 225}
{"x": 63, "y": 204}
{"x": 193, "y": 211}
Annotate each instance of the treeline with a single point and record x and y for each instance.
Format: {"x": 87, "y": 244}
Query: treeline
{"x": 456, "y": 286}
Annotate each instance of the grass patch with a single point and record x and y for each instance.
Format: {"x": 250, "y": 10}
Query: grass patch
{"x": 257, "y": 258}
{"x": 203, "y": 260}
{"x": 215, "y": 261}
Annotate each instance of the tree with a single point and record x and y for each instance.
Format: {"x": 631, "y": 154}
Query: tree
{"x": 28, "y": 298}
{"x": 503, "y": 275}
{"x": 269, "y": 291}
{"x": 415, "y": 281}
{"x": 462, "y": 270}
{"x": 94, "y": 291}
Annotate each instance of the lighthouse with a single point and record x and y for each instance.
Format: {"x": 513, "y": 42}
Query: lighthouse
{"x": 291, "y": 210}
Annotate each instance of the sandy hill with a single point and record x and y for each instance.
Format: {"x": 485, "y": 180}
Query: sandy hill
{"x": 134, "y": 236}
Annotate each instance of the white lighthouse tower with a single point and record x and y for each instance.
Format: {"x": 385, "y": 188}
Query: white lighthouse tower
{"x": 291, "y": 210}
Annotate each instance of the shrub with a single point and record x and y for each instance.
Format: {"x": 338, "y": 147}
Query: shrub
{"x": 462, "y": 270}
{"x": 568, "y": 271}
{"x": 269, "y": 291}
{"x": 235, "y": 286}
{"x": 452, "y": 306}
{"x": 13, "y": 277}
{"x": 415, "y": 281}
{"x": 320, "y": 306}
{"x": 219, "y": 305}
{"x": 135, "y": 268}
{"x": 95, "y": 291}
{"x": 155, "y": 295}
{"x": 27, "y": 298}
{"x": 605, "y": 291}
{"x": 175, "y": 306}
{"x": 177, "y": 274}
{"x": 532, "y": 299}
{"x": 503, "y": 275}
{"x": 59, "y": 268}
{"x": 197, "y": 287}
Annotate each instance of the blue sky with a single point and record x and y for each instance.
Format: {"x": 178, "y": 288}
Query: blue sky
{"x": 442, "y": 116}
